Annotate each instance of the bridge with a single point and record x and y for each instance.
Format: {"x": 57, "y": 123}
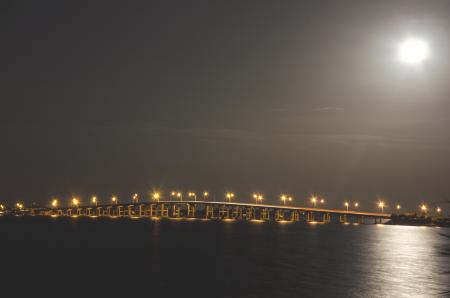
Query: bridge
{"x": 217, "y": 210}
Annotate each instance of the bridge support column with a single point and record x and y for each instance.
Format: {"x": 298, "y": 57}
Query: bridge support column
{"x": 326, "y": 217}
{"x": 343, "y": 218}
{"x": 265, "y": 214}
{"x": 191, "y": 210}
{"x": 250, "y": 213}
{"x": 176, "y": 210}
{"x": 164, "y": 211}
{"x": 141, "y": 210}
{"x": 224, "y": 212}
{"x": 295, "y": 216}
{"x": 129, "y": 212}
{"x": 279, "y": 215}
{"x": 237, "y": 213}
{"x": 120, "y": 211}
{"x": 309, "y": 216}
{"x": 209, "y": 211}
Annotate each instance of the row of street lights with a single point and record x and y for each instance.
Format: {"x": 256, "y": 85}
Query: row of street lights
{"x": 229, "y": 196}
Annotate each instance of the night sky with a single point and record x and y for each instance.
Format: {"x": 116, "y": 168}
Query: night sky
{"x": 302, "y": 97}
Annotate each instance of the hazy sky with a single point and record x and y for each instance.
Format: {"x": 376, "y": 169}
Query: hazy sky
{"x": 302, "y": 97}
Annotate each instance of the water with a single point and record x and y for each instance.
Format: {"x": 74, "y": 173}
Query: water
{"x": 250, "y": 259}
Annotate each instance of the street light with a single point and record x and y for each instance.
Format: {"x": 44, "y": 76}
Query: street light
{"x": 229, "y": 196}
{"x": 381, "y": 206}
{"x": 180, "y": 195}
{"x": 55, "y": 203}
{"x": 192, "y": 194}
{"x": 260, "y": 198}
{"x": 356, "y": 205}
{"x": 438, "y": 209}
{"x": 314, "y": 201}
{"x": 135, "y": 198}
{"x": 114, "y": 200}
{"x": 205, "y": 195}
{"x": 284, "y": 198}
{"x": 2, "y": 207}
{"x": 423, "y": 208}
{"x": 94, "y": 200}
{"x": 255, "y": 196}
{"x": 322, "y": 201}
{"x": 346, "y": 205}
{"x": 156, "y": 196}
{"x": 75, "y": 202}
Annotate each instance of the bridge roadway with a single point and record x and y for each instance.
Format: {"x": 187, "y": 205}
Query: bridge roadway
{"x": 218, "y": 210}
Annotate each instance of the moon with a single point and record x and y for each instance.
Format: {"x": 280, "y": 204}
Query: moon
{"x": 413, "y": 51}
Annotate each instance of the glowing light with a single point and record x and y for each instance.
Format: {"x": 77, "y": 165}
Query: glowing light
{"x": 75, "y": 202}
{"x": 381, "y": 206}
{"x": 413, "y": 51}
{"x": 398, "y": 207}
{"x": 2, "y": 207}
{"x": 19, "y": 206}
{"x": 229, "y": 196}
{"x": 135, "y": 197}
{"x": 94, "y": 200}
{"x": 55, "y": 203}
{"x": 205, "y": 194}
{"x": 438, "y": 210}
{"x": 114, "y": 199}
{"x": 356, "y": 204}
{"x": 423, "y": 208}
{"x": 156, "y": 196}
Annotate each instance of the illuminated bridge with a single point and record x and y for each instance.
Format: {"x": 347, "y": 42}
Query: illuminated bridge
{"x": 219, "y": 211}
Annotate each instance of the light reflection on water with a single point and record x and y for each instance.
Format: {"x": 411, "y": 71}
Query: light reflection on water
{"x": 248, "y": 259}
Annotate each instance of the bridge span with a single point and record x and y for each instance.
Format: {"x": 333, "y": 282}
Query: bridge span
{"x": 219, "y": 211}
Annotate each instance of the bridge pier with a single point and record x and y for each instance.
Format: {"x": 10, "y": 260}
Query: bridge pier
{"x": 295, "y": 216}
{"x": 209, "y": 212}
{"x": 224, "y": 212}
{"x": 343, "y": 218}
{"x": 279, "y": 215}
{"x": 326, "y": 217}
{"x": 309, "y": 217}
{"x": 191, "y": 210}
{"x": 264, "y": 214}
{"x": 237, "y": 213}
{"x": 250, "y": 213}
{"x": 176, "y": 210}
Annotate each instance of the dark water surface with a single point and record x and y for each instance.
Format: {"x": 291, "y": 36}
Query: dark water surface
{"x": 234, "y": 259}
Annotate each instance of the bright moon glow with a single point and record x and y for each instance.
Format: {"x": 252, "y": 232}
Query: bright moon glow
{"x": 413, "y": 51}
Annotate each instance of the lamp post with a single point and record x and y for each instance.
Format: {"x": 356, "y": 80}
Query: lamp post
{"x": 180, "y": 195}
{"x": 156, "y": 196}
{"x": 381, "y": 206}
{"x": 229, "y": 196}
{"x": 398, "y": 207}
{"x": 75, "y": 202}
{"x": 314, "y": 201}
{"x": 260, "y": 198}
{"x": 114, "y": 200}
{"x": 346, "y": 205}
{"x": 55, "y": 203}
{"x": 205, "y": 195}
{"x": 94, "y": 200}
{"x": 135, "y": 198}
{"x": 356, "y": 204}
{"x": 192, "y": 194}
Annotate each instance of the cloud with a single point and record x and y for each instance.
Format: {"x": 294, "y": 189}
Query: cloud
{"x": 324, "y": 109}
